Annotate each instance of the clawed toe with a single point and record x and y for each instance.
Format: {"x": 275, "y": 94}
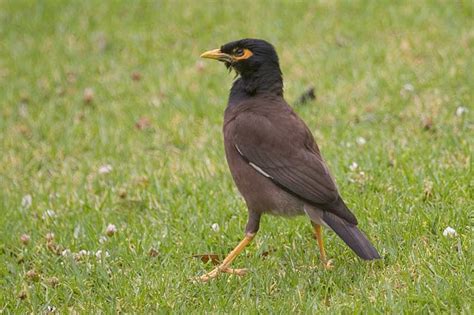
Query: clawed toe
{"x": 239, "y": 272}
{"x": 215, "y": 272}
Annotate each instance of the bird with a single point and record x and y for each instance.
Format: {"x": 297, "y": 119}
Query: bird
{"x": 273, "y": 157}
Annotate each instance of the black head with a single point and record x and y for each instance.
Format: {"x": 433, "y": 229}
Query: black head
{"x": 255, "y": 60}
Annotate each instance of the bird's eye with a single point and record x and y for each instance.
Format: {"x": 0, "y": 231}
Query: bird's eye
{"x": 238, "y": 52}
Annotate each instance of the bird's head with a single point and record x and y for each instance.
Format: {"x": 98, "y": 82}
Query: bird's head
{"x": 255, "y": 60}
{"x": 245, "y": 56}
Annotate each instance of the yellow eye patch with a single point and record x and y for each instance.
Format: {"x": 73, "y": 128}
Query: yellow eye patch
{"x": 247, "y": 54}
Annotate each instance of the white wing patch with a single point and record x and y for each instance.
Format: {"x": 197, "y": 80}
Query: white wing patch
{"x": 258, "y": 169}
{"x": 240, "y": 152}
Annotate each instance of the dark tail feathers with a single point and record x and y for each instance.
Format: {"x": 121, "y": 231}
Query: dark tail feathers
{"x": 352, "y": 236}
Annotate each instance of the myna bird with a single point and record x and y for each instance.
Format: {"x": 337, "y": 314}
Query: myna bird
{"x": 272, "y": 155}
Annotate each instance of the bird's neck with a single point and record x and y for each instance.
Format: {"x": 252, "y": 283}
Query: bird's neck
{"x": 266, "y": 80}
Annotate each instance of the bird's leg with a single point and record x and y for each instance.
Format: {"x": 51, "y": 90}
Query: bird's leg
{"x": 319, "y": 237}
{"x": 251, "y": 229}
{"x": 224, "y": 266}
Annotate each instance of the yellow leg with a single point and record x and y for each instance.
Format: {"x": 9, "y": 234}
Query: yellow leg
{"x": 319, "y": 237}
{"x": 224, "y": 266}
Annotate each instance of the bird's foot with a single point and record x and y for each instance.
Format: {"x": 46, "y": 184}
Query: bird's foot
{"x": 327, "y": 264}
{"x": 216, "y": 271}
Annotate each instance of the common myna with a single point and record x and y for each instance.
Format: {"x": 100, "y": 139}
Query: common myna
{"x": 272, "y": 155}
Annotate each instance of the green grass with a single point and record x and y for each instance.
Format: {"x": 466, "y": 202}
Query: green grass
{"x": 170, "y": 181}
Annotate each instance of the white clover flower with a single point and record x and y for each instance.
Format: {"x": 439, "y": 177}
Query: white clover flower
{"x": 215, "y": 227}
{"x": 51, "y": 309}
{"x": 361, "y": 140}
{"x": 353, "y": 166}
{"x": 105, "y": 169}
{"x": 409, "y": 87}
{"x": 25, "y": 239}
{"x": 449, "y": 231}
{"x": 26, "y": 201}
{"x": 461, "y": 110}
{"x": 111, "y": 229}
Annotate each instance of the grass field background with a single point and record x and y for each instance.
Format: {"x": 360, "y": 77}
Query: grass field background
{"x": 107, "y": 116}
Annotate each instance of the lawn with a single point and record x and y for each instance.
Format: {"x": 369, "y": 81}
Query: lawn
{"x": 113, "y": 175}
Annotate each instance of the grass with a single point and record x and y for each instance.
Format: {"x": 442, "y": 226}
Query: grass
{"x": 77, "y": 76}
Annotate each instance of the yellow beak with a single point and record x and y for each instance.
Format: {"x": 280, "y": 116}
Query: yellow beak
{"x": 217, "y": 55}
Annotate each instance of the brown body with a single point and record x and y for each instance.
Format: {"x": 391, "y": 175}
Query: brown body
{"x": 259, "y": 192}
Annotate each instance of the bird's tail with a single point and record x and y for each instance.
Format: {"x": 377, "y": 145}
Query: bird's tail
{"x": 352, "y": 236}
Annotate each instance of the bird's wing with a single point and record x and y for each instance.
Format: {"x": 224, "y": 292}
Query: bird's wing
{"x": 278, "y": 145}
